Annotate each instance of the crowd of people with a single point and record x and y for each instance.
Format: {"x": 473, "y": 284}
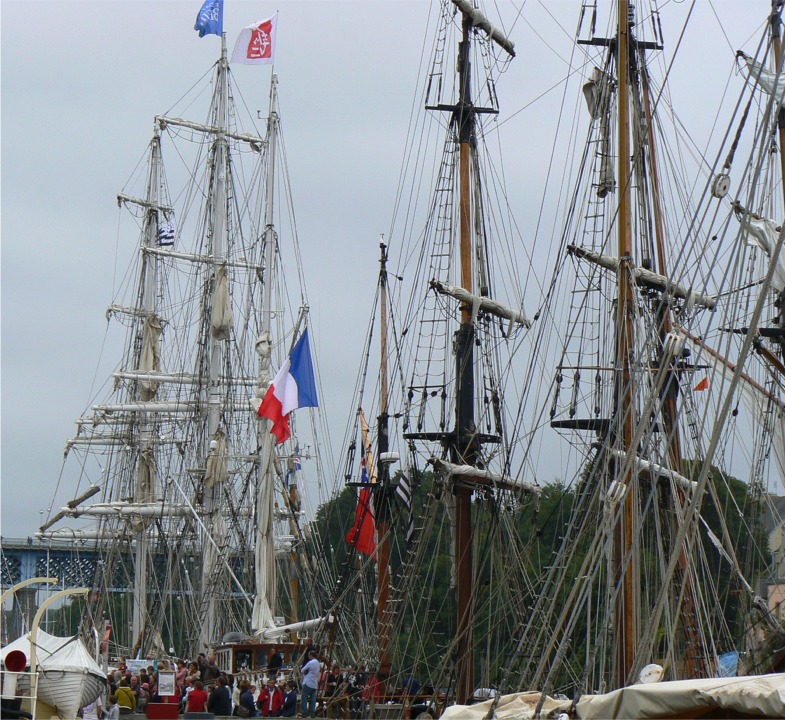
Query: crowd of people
{"x": 200, "y": 686}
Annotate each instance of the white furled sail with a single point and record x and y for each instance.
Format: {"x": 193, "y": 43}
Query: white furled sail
{"x": 221, "y": 318}
{"x": 771, "y": 82}
{"x": 763, "y": 233}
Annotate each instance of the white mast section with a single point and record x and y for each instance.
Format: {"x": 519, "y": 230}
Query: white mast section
{"x": 265, "y": 576}
{"x": 145, "y": 489}
{"x": 216, "y": 527}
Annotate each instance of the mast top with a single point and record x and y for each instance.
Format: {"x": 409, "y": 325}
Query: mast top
{"x": 479, "y": 20}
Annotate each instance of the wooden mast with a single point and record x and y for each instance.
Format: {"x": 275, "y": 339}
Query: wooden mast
{"x": 463, "y": 443}
{"x": 464, "y": 447}
{"x": 383, "y": 492}
{"x": 625, "y": 562}
{"x": 776, "y": 22}
{"x": 696, "y": 656}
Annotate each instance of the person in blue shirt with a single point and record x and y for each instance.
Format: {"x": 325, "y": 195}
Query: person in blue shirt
{"x": 289, "y": 707}
{"x": 410, "y": 685}
{"x": 311, "y": 671}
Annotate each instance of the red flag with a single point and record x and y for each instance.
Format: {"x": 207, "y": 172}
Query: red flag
{"x": 702, "y": 385}
{"x": 256, "y": 43}
{"x": 363, "y": 532}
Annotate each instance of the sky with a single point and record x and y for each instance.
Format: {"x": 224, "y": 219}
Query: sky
{"x": 81, "y": 82}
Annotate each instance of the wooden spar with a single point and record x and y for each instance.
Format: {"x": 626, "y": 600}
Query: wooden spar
{"x": 777, "y": 45}
{"x": 625, "y": 563}
{"x": 464, "y": 442}
{"x": 696, "y": 655}
{"x": 294, "y": 583}
{"x": 464, "y": 447}
{"x": 382, "y": 499}
{"x": 644, "y": 277}
{"x": 776, "y": 22}
{"x": 215, "y": 350}
{"x": 145, "y": 484}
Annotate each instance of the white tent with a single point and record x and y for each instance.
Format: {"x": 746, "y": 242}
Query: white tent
{"x": 68, "y": 676}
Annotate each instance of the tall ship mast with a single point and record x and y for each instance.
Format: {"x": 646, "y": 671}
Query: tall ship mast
{"x": 446, "y": 488}
{"x": 660, "y": 568}
{"x": 176, "y": 478}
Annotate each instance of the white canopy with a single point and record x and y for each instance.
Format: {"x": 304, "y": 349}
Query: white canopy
{"x": 55, "y": 653}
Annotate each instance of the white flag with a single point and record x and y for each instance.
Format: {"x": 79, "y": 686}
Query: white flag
{"x": 256, "y": 43}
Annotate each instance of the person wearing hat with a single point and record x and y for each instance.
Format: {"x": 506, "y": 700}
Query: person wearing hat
{"x": 143, "y": 698}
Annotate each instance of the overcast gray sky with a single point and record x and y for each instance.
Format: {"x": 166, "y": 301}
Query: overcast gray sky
{"x": 81, "y": 83}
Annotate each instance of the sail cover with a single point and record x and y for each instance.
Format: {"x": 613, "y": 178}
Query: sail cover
{"x": 150, "y": 360}
{"x": 764, "y": 233}
{"x": 759, "y": 696}
{"x": 517, "y": 706}
{"x": 221, "y": 317}
{"x": 754, "y": 696}
{"x": 765, "y": 78}
{"x": 265, "y": 543}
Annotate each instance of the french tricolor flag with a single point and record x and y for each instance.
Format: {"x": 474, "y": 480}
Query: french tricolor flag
{"x": 294, "y": 386}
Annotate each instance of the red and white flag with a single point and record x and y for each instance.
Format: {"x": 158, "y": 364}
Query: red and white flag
{"x": 256, "y": 43}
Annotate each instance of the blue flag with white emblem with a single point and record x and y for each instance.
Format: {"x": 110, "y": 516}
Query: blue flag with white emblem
{"x": 210, "y": 20}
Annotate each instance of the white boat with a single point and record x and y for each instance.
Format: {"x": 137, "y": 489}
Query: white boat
{"x": 68, "y": 676}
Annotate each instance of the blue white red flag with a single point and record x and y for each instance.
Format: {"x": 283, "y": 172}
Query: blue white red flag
{"x": 210, "y": 20}
{"x": 294, "y": 386}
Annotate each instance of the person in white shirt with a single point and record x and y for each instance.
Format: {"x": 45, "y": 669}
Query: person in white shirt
{"x": 93, "y": 711}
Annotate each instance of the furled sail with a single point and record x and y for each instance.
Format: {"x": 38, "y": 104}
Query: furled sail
{"x": 769, "y": 81}
{"x": 221, "y": 317}
{"x": 763, "y": 233}
{"x": 150, "y": 360}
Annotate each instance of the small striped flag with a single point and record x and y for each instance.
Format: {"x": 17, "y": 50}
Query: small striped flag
{"x": 166, "y": 233}
{"x": 404, "y": 492}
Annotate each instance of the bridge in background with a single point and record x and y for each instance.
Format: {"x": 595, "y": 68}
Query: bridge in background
{"x": 73, "y": 563}
{"x": 24, "y": 558}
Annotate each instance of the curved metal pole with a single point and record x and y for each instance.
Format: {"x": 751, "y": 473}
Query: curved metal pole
{"x": 34, "y": 637}
{"x": 25, "y": 583}
{"x": 12, "y": 590}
